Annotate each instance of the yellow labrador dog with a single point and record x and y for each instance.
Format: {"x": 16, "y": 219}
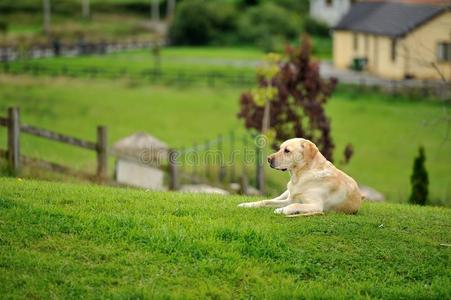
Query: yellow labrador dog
{"x": 316, "y": 185}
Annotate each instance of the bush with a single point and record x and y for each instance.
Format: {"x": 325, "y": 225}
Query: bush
{"x": 419, "y": 180}
{"x": 296, "y": 104}
{"x": 296, "y": 5}
{"x": 223, "y": 23}
{"x": 3, "y": 26}
{"x": 244, "y": 3}
{"x": 315, "y": 27}
{"x": 198, "y": 22}
{"x": 267, "y": 25}
{"x": 191, "y": 24}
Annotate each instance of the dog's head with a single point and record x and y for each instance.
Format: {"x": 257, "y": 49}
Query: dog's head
{"x": 293, "y": 153}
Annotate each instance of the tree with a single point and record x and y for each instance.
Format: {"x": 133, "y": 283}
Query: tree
{"x": 85, "y": 9}
{"x": 297, "y": 106}
{"x": 155, "y": 10}
{"x": 170, "y": 8}
{"x": 419, "y": 180}
{"x": 46, "y": 11}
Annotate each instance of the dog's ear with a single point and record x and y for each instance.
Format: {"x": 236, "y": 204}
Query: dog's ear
{"x": 310, "y": 150}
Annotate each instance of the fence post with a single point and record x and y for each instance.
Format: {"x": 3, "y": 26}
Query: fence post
{"x": 14, "y": 139}
{"x": 221, "y": 159}
{"x": 231, "y": 161}
{"x": 102, "y": 155}
{"x": 243, "y": 184}
{"x": 260, "y": 178}
{"x": 243, "y": 179}
{"x": 195, "y": 163}
{"x": 173, "y": 170}
{"x": 207, "y": 159}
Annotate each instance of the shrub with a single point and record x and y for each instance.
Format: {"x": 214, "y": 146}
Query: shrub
{"x": 248, "y": 2}
{"x": 3, "y": 26}
{"x": 198, "y": 22}
{"x": 296, "y": 5}
{"x": 296, "y": 107}
{"x": 223, "y": 20}
{"x": 191, "y": 24}
{"x": 315, "y": 27}
{"x": 419, "y": 180}
{"x": 267, "y": 24}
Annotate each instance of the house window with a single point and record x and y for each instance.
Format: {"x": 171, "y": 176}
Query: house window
{"x": 393, "y": 50}
{"x": 328, "y": 3}
{"x": 355, "y": 41}
{"x": 444, "y": 51}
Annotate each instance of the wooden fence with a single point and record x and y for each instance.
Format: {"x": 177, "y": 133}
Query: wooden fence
{"x": 226, "y": 159}
{"x": 15, "y": 159}
{"x": 57, "y": 48}
{"x": 153, "y": 75}
{"x": 218, "y": 162}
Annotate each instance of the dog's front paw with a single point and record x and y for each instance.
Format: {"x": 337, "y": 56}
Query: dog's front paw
{"x": 279, "y": 210}
{"x": 247, "y": 204}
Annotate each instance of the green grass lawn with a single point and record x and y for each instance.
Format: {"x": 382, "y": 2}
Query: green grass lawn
{"x": 385, "y": 131}
{"x": 77, "y": 241}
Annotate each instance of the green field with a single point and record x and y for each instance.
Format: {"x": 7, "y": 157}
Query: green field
{"x": 194, "y": 60}
{"x": 77, "y": 241}
{"x": 188, "y": 60}
{"x": 28, "y": 27}
{"x": 386, "y": 131}
{"x": 238, "y": 61}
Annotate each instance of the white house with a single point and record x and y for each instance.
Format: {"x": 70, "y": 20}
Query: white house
{"x": 329, "y": 11}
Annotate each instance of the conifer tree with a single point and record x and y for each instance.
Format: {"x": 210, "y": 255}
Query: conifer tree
{"x": 419, "y": 180}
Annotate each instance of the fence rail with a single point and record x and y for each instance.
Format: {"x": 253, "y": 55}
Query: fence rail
{"x": 57, "y": 137}
{"x": 15, "y": 159}
{"x": 57, "y": 48}
{"x": 154, "y": 75}
{"x": 50, "y": 166}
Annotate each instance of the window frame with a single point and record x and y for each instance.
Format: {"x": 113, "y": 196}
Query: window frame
{"x": 444, "y": 51}
{"x": 393, "y": 49}
{"x": 355, "y": 41}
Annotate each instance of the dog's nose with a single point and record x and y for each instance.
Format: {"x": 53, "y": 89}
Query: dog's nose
{"x": 269, "y": 159}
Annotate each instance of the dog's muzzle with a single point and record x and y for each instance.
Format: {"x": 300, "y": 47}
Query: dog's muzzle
{"x": 271, "y": 164}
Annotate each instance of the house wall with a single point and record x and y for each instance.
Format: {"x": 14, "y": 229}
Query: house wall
{"x": 329, "y": 14}
{"x": 415, "y": 53}
{"x": 342, "y": 51}
{"x": 381, "y": 62}
{"x": 420, "y": 47}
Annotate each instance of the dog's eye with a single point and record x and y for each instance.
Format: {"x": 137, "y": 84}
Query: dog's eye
{"x": 286, "y": 150}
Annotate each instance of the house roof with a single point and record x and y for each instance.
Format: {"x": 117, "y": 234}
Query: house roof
{"x": 387, "y": 18}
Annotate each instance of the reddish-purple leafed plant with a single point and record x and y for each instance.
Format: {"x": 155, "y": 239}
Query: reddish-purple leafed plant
{"x": 297, "y": 109}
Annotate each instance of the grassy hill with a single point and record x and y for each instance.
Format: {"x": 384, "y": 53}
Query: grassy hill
{"x": 74, "y": 241}
{"x": 385, "y": 130}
